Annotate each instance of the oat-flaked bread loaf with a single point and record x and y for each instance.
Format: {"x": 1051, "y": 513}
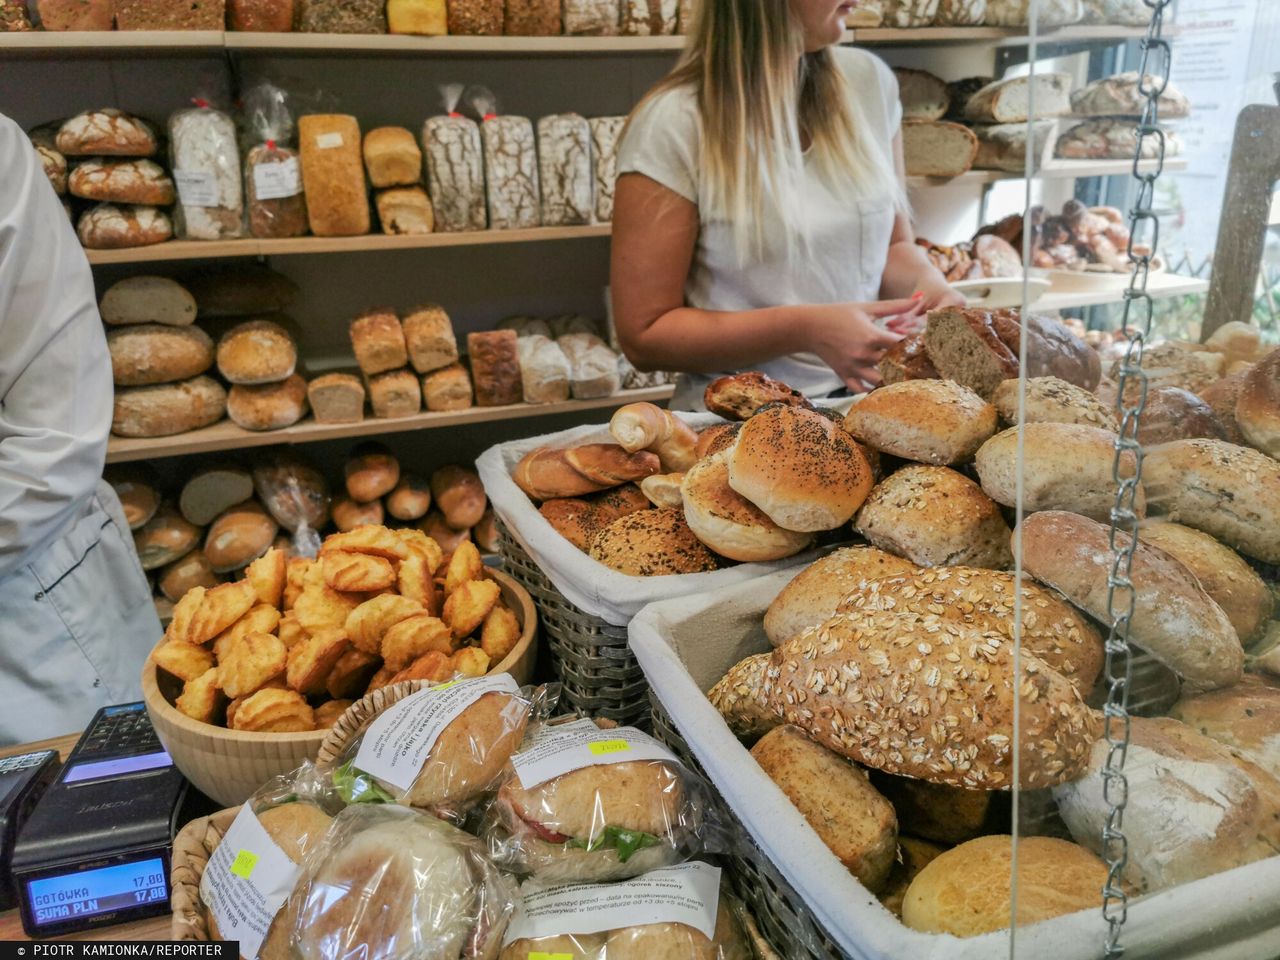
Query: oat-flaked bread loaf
{"x": 336, "y": 398}
{"x": 257, "y": 351}
{"x": 1172, "y": 364}
{"x": 1067, "y": 466}
{"x": 856, "y": 823}
{"x": 1051, "y": 400}
{"x": 1243, "y": 595}
{"x": 930, "y": 421}
{"x": 652, "y": 543}
{"x": 739, "y": 697}
{"x": 152, "y": 353}
{"x": 728, "y": 522}
{"x": 166, "y": 409}
{"x": 429, "y": 337}
{"x": 1245, "y": 716}
{"x": 147, "y": 300}
{"x": 1258, "y": 407}
{"x": 1192, "y": 810}
{"x": 1230, "y": 492}
{"x": 377, "y": 338}
{"x": 1174, "y": 619}
{"x": 1052, "y": 629}
{"x": 448, "y": 388}
{"x": 814, "y": 595}
{"x": 947, "y": 713}
{"x": 268, "y": 406}
{"x": 935, "y": 516}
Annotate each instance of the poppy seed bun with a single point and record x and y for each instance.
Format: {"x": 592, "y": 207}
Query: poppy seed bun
{"x": 801, "y": 469}
{"x": 651, "y": 543}
{"x": 727, "y": 522}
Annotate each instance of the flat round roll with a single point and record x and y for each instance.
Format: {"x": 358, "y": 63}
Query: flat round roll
{"x": 1174, "y": 619}
{"x": 1050, "y": 400}
{"x": 931, "y": 421}
{"x": 801, "y": 469}
{"x": 1068, "y": 466}
{"x": 729, "y": 523}
{"x": 934, "y": 516}
{"x": 1258, "y": 407}
{"x": 652, "y": 543}
{"x": 966, "y": 890}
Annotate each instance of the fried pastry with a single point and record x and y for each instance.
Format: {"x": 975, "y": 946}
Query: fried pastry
{"x": 368, "y": 622}
{"x": 467, "y": 606}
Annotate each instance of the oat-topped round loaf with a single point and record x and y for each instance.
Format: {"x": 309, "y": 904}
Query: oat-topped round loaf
{"x": 652, "y": 543}
{"x": 1050, "y": 400}
{"x": 924, "y": 696}
{"x": 739, "y": 697}
{"x": 932, "y": 421}
{"x": 258, "y": 351}
{"x": 1052, "y": 629}
{"x": 935, "y": 516}
{"x": 728, "y": 522}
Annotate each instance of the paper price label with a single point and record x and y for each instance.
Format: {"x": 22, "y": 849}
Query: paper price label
{"x": 196, "y": 188}
{"x": 275, "y": 181}
{"x": 328, "y": 141}
{"x": 555, "y": 751}
{"x": 246, "y": 882}
{"x": 397, "y": 743}
{"x": 687, "y": 894}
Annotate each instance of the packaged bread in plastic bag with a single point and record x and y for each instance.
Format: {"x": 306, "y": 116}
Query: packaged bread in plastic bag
{"x": 259, "y": 860}
{"x": 206, "y": 169}
{"x": 674, "y": 913}
{"x": 583, "y": 803}
{"x": 443, "y": 747}
{"x": 510, "y": 165}
{"x": 296, "y": 494}
{"x": 455, "y": 166}
{"x": 392, "y": 883}
{"x": 272, "y": 177}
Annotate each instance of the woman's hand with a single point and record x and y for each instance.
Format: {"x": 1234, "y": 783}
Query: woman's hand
{"x": 938, "y": 293}
{"x": 846, "y": 336}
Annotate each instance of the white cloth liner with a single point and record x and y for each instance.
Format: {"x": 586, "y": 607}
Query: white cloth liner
{"x": 685, "y": 645}
{"x": 594, "y": 588}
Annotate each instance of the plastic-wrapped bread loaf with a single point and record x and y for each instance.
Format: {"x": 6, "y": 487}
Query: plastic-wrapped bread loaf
{"x": 605, "y": 132}
{"x": 333, "y": 175}
{"x": 564, "y": 169}
{"x": 544, "y": 369}
{"x": 455, "y": 172}
{"x": 342, "y": 16}
{"x": 593, "y": 366}
{"x": 649, "y": 18}
{"x": 591, "y": 18}
{"x": 273, "y": 191}
{"x": 206, "y": 168}
{"x": 510, "y": 172}
{"x": 532, "y": 18}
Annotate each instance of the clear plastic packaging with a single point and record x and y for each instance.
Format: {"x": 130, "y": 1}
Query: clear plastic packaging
{"x": 206, "y": 169}
{"x": 564, "y": 169}
{"x": 625, "y": 807}
{"x": 296, "y": 494}
{"x": 455, "y": 166}
{"x": 276, "y": 206}
{"x": 510, "y": 165}
{"x": 391, "y": 883}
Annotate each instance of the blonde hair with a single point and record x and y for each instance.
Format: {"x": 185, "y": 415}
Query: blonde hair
{"x": 758, "y": 95}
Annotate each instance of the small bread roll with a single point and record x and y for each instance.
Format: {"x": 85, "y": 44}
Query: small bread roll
{"x": 349, "y": 514}
{"x": 411, "y": 498}
{"x": 729, "y": 523}
{"x": 371, "y": 471}
{"x": 930, "y": 421}
{"x": 239, "y": 536}
{"x": 459, "y": 495}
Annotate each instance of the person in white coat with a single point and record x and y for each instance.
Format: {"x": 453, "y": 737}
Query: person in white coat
{"x": 76, "y": 616}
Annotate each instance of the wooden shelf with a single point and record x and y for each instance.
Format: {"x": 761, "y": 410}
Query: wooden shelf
{"x": 94, "y": 43}
{"x": 998, "y": 36}
{"x": 369, "y": 243}
{"x": 362, "y": 44}
{"x": 225, "y": 435}
{"x": 1159, "y": 285}
{"x": 1057, "y": 170}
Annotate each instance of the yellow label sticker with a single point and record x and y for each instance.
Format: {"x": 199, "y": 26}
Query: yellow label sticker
{"x": 608, "y": 746}
{"x": 540, "y": 955}
{"x": 446, "y": 686}
{"x": 244, "y": 863}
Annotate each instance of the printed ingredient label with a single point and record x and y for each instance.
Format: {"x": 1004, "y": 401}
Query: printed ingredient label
{"x": 275, "y": 181}
{"x": 328, "y": 141}
{"x": 196, "y": 188}
{"x": 555, "y": 751}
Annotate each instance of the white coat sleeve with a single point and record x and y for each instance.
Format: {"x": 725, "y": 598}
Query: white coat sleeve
{"x": 55, "y": 372}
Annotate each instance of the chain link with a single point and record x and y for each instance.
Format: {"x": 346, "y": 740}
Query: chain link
{"x": 1139, "y": 307}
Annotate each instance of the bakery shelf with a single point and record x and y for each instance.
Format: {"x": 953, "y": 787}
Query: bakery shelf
{"x": 1055, "y": 170}
{"x": 1110, "y": 289}
{"x": 998, "y": 36}
{"x": 203, "y": 250}
{"x": 93, "y": 43}
{"x": 225, "y": 435}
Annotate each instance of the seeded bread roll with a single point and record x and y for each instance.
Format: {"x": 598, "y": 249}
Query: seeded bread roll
{"x": 923, "y": 658}
{"x": 268, "y": 406}
{"x": 170, "y": 408}
{"x": 395, "y": 394}
{"x": 856, "y": 823}
{"x": 448, "y": 388}
{"x": 1174, "y": 619}
{"x": 1050, "y": 400}
{"x": 336, "y": 398}
{"x": 934, "y": 516}
{"x": 739, "y": 698}
{"x": 147, "y": 300}
{"x": 239, "y": 536}
{"x": 652, "y": 543}
{"x": 814, "y": 595}
{"x": 1066, "y": 467}
{"x": 152, "y": 353}
{"x": 429, "y": 336}
{"x": 257, "y": 352}
{"x": 727, "y": 522}
{"x": 1230, "y": 492}
{"x": 1258, "y": 408}
{"x": 378, "y": 341}
{"x": 931, "y": 421}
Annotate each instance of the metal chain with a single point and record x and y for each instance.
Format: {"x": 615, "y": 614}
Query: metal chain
{"x": 1153, "y": 76}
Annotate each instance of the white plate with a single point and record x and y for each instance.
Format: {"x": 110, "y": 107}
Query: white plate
{"x": 1001, "y": 291}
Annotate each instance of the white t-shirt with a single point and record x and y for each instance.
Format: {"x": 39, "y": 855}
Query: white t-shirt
{"x": 849, "y": 240}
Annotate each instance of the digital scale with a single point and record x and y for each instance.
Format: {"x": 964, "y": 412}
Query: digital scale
{"x": 95, "y": 851}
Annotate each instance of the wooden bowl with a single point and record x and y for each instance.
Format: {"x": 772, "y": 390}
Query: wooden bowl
{"x": 229, "y": 765}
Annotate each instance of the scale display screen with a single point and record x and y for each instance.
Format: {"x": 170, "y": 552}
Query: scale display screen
{"x": 91, "y": 892}
{"x": 116, "y": 768}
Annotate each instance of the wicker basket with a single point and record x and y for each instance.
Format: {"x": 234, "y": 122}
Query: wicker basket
{"x": 591, "y": 658}
{"x": 192, "y": 848}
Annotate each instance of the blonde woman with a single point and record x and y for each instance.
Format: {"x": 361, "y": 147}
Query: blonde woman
{"x": 760, "y": 219}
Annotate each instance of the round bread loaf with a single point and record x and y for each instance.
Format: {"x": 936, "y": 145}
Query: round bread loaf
{"x": 257, "y": 351}
{"x": 239, "y": 536}
{"x": 410, "y": 499}
{"x": 967, "y": 890}
{"x": 349, "y": 514}
{"x": 814, "y": 595}
{"x": 1222, "y": 396}
{"x": 151, "y": 353}
{"x": 189, "y": 572}
{"x": 931, "y": 421}
{"x": 801, "y": 469}
{"x": 651, "y": 543}
{"x": 952, "y": 686}
{"x": 147, "y": 300}
{"x": 268, "y": 406}
{"x": 371, "y": 471}
{"x": 1050, "y": 400}
{"x": 1174, "y": 620}
{"x": 164, "y": 538}
{"x": 166, "y": 409}
{"x": 1234, "y": 586}
{"x": 729, "y": 523}
{"x": 136, "y": 490}
{"x": 1067, "y": 466}
{"x": 1246, "y": 716}
{"x": 1258, "y": 408}
{"x": 1230, "y": 492}
{"x": 1172, "y": 413}
{"x": 935, "y": 516}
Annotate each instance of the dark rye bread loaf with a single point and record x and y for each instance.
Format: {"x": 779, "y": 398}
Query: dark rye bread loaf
{"x": 980, "y": 349}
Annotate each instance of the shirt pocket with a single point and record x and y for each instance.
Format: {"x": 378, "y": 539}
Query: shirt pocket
{"x": 875, "y": 229}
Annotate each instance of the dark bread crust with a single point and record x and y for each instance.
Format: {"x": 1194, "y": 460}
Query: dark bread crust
{"x": 907, "y": 360}
{"x": 739, "y": 396}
